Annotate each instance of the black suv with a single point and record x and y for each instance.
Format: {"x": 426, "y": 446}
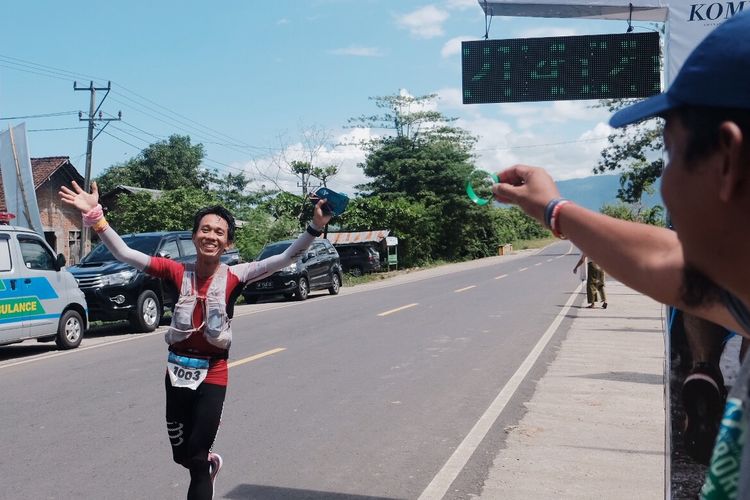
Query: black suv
{"x": 359, "y": 259}
{"x": 116, "y": 291}
{"x": 318, "y": 269}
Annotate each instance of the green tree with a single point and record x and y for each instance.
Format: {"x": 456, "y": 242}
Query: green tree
{"x": 424, "y": 163}
{"x": 627, "y": 211}
{"x": 172, "y": 211}
{"x": 634, "y": 151}
{"x": 404, "y": 218}
{"x": 165, "y": 165}
{"x": 259, "y": 229}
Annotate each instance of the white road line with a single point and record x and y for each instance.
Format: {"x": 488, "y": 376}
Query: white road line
{"x": 523, "y": 269}
{"x": 255, "y": 356}
{"x": 538, "y": 264}
{"x": 386, "y": 313}
{"x": 465, "y": 288}
{"x": 501, "y": 276}
{"x": 457, "y": 461}
{"x": 81, "y": 349}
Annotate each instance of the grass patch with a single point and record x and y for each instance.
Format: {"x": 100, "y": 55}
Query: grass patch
{"x": 528, "y": 244}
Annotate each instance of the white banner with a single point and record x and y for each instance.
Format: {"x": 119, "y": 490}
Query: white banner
{"x": 18, "y": 180}
{"x": 636, "y": 10}
{"x": 688, "y": 24}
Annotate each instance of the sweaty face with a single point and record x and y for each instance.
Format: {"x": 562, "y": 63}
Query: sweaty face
{"x": 211, "y": 239}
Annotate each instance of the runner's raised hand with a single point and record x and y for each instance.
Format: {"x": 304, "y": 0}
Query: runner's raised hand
{"x": 79, "y": 198}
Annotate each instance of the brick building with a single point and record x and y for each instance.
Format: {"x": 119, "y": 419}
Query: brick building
{"x": 62, "y": 224}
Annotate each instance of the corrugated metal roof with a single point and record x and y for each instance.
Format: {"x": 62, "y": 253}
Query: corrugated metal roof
{"x": 358, "y": 237}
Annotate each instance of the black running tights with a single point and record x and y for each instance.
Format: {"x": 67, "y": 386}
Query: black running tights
{"x": 193, "y": 418}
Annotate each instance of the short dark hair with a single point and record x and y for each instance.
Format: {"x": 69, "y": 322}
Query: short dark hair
{"x": 221, "y": 212}
{"x": 702, "y": 123}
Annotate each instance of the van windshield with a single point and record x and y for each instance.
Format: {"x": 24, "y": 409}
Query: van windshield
{"x": 145, "y": 244}
{"x": 274, "y": 249}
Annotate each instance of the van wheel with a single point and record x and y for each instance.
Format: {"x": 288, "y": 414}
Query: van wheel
{"x": 335, "y": 284}
{"x": 69, "y": 330}
{"x": 303, "y": 289}
{"x": 147, "y": 314}
{"x": 355, "y": 271}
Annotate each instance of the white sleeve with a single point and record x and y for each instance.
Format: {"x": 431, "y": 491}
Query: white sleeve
{"x": 253, "y": 271}
{"x": 122, "y": 251}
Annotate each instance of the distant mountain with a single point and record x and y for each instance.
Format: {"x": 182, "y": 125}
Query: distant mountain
{"x": 598, "y": 190}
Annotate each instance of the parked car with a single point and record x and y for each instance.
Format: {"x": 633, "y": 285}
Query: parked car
{"x": 359, "y": 259}
{"x": 231, "y": 257}
{"x": 117, "y": 291}
{"x": 39, "y": 298}
{"x": 318, "y": 269}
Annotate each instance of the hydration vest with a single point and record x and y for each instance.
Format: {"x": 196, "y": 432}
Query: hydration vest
{"x": 217, "y": 329}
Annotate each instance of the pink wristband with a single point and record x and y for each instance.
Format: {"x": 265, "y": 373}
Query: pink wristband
{"x": 92, "y": 216}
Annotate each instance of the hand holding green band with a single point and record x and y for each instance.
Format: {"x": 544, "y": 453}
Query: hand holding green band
{"x": 479, "y": 186}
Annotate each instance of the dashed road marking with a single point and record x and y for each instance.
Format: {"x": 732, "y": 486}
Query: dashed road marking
{"x": 255, "y": 356}
{"x": 386, "y": 313}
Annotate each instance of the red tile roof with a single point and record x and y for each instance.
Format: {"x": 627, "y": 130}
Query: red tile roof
{"x": 42, "y": 169}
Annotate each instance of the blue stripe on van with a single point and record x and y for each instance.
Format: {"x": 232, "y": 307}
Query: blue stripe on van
{"x": 39, "y": 287}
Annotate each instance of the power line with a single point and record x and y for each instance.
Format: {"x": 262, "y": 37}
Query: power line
{"x": 52, "y": 72}
{"x": 55, "y": 129}
{"x": 45, "y": 115}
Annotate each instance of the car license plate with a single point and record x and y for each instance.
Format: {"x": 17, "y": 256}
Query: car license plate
{"x": 265, "y": 284}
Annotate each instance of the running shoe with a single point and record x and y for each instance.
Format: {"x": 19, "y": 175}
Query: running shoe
{"x": 214, "y": 466}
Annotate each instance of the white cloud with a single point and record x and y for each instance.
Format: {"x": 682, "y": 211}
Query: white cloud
{"x": 530, "y": 115}
{"x": 283, "y": 20}
{"x": 355, "y": 50}
{"x": 426, "y": 22}
{"x": 461, "y": 4}
{"x": 451, "y": 98}
{"x": 453, "y": 46}
{"x": 346, "y": 153}
{"x": 531, "y": 133}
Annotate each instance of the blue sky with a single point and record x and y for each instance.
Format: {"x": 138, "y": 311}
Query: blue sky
{"x": 251, "y": 80}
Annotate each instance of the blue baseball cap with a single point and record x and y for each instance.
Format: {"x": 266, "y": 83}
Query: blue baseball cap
{"x": 716, "y": 74}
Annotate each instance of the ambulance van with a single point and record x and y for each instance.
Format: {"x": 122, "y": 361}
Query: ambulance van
{"x": 39, "y": 298}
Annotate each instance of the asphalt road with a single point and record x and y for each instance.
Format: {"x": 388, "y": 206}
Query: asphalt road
{"x": 362, "y": 395}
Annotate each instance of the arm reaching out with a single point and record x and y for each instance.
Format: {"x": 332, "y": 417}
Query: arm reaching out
{"x": 253, "y": 271}
{"x": 88, "y": 204}
{"x": 646, "y": 258}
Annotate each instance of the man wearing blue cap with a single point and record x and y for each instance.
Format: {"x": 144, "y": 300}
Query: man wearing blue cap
{"x": 701, "y": 267}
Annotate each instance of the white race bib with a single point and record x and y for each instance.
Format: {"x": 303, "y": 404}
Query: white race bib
{"x": 185, "y": 371}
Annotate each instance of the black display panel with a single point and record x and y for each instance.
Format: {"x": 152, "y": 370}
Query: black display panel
{"x": 561, "y": 68}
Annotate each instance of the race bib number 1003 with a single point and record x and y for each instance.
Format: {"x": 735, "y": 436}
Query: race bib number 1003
{"x": 185, "y": 371}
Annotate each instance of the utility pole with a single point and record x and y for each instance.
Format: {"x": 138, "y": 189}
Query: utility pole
{"x": 92, "y": 118}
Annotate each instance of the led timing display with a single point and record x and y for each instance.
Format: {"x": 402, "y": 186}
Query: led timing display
{"x": 561, "y": 68}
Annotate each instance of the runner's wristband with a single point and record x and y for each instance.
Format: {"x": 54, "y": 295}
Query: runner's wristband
{"x": 548, "y": 211}
{"x": 313, "y": 231}
{"x": 555, "y": 219}
{"x": 101, "y": 225}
